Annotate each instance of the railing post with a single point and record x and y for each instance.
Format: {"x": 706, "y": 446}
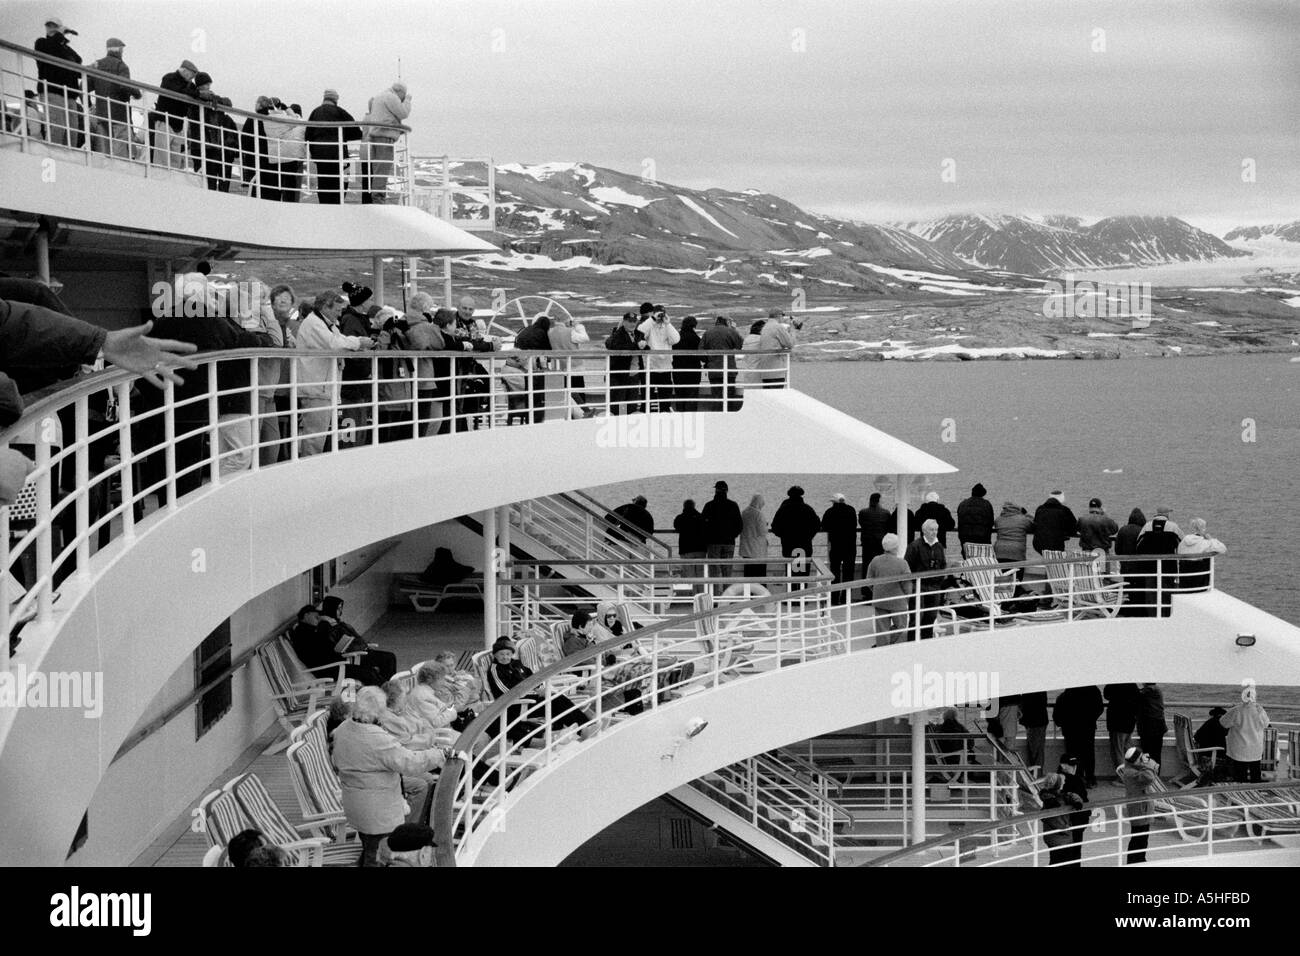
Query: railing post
{"x": 126, "y": 450}
{"x": 374, "y": 397}
{"x": 1160, "y": 580}
{"x": 1209, "y": 827}
{"x": 4, "y": 598}
{"x": 1070, "y": 575}
{"x": 82, "y": 415}
{"x": 45, "y": 534}
{"x": 214, "y": 441}
{"x": 293, "y": 410}
{"x": 255, "y": 411}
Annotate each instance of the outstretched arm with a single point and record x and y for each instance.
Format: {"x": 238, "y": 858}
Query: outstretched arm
{"x": 134, "y": 350}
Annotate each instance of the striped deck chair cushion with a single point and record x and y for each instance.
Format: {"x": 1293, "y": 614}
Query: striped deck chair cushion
{"x": 223, "y": 818}
{"x": 270, "y": 819}
{"x": 1272, "y": 810}
{"x": 975, "y": 550}
{"x": 319, "y": 783}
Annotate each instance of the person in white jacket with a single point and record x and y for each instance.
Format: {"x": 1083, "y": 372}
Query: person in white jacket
{"x": 569, "y": 335}
{"x": 1246, "y": 724}
{"x": 1195, "y": 575}
{"x": 318, "y": 378}
{"x": 660, "y": 336}
{"x": 390, "y": 108}
{"x": 775, "y": 335}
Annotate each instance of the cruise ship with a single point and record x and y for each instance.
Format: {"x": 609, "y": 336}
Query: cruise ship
{"x": 738, "y": 712}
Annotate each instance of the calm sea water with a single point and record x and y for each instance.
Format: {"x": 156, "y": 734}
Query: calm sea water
{"x": 1215, "y": 437}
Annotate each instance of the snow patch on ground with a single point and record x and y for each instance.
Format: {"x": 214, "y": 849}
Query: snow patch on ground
{"x": 703, "y": 213}
{"x": 517, "y": 261}
{"x": 547, "y": 170}
{"x": 615, "y": 196}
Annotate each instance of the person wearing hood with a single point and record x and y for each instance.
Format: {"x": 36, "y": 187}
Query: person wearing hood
{"x": 692, "y": 539}
{"x": 215, "y": 136}
{"x": 328, "y": 146}
{"x": 1054, "y": 524}
{"x": 722, "y": 525}
{"x": 1097, "y": 529}
{"x": 1125, "y": 544}
{"x": 173, "y": 111}
{"x": 1013, "y": 528}
{"x": 113, "y": 103}
{"x": 1246, "y": 723}
{"x": 753, "y": 538}
{"x": 1194, "y": 575}
{"x": 748, "y": 364}
{"x": 1156, "y": 576}
{"x": 569, "y": 335}
{"x": 873, "y": 520}
{"x": 686, "y": 368}
{"x": 932, "y": 510}
{"x": 386, "y": 112}
{"x": 776, "y": 336}
{"x": 796, "y": 524}
{"x": 59, "y": 87}
{"x": 841, "y": 526}
{"x": 975, "y": 519}
{"x": 1164, "y": 511}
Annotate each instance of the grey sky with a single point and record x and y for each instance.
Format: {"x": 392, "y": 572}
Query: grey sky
{"x": 719, "y": 93}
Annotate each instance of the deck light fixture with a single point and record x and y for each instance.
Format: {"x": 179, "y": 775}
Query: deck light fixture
{"x": 1245, "y": 640}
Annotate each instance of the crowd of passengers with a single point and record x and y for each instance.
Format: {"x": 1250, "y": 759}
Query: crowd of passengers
{"x": 189, "y": 127}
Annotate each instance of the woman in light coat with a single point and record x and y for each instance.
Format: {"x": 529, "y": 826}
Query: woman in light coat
{"x": 753, "y": 537}
{"x": 371, "y": 764}
{"x": 389, "y": 109}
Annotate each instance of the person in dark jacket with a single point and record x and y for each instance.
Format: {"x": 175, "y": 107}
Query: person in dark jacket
{"x": 932, "y": 510}
{"x": 687, "y": 393}
{"x": 1054, "y": 524}
{"x": 216, "y": 137}
{"x": 692, "y": 538}
{"x": 796, "y": 524}
{"x": 913, "y": 525}
{"x": 113, "y": 104}
{"x": 841, "y": 526}
{"x": 235, "y": 430}
{"x": 1151, "y": 725}
{"x": 355, "y": 392}
{"x": 260, "y": 175}
{"x": 1013, "y": 528}
{"x": 504, "y": 673}
{"x": 1077, "y": 787}
{"x": 1121, "y": 716}
{"x": 1213, "y": 734}
{"x": 625, "y": 371}
{"x": 637, "y": 521}
{"x": 174, "y": 111}
{"x": 329, "y": 146}
{"x": 1158, "y": 579}
{"x": 975, "y": 519}
{"x": 536, "y": 338}
{"x": 873, "y": 521}
{"x": 1033, "y": 717}
{"x": 722, "y": 337}
{"x": 926, "y": 553}
{"x": 1126, "y": 543}
{"x": 722, "y": 526}
{"x": 1097, "y": 529}
{"x": 59, "y": 87}
{"x": 315, "y": 640}
{"x": 1075, "y": 713}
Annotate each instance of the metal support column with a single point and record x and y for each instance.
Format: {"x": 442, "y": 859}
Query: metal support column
{"x": 503, "y": 551}
{"x": 490, "y": 574}
{"x": 377, "y": 268}
{"x": 43, "y": 253}
{"x": 918, "y": 776}
{"x": 900, "y": 486}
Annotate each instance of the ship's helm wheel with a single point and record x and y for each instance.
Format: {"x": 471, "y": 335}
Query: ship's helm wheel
{"x": 524, "y": 309}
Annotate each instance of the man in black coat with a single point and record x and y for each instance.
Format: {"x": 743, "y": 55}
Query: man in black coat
{"x": 796, "y": 524}
{"x": 1054, "y": 524}
{"x": 1158, "y": 579}
{"x": 873, "y": 520}
{"x": 174, "y": 112}
{"x": 329, "y": 147}
{"x": 625, "y": 371}
{"x": 536, "y": 338}
{"x": 637, "y": 521}
{"x": 722, "y": 526}
{"x": 1121, "y": 716}
{"x": 215, "y": 141}
{"x": 59, "y": 87}
{"x": 1151, "y": 725}
{"x": 722, "y": 337}
{"x": 841, "y": 527}
{"x": 975, "y": 519}
{"x": 1075, "y": 784}
{"x": 926, "y": 553}
{"x": 1076, "y": 713}
{"x": 932, "y": 510}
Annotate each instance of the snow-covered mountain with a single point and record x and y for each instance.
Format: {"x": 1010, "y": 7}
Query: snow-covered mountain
{"x": 1288, "y": 231}
{"x": 1057, "y": 244}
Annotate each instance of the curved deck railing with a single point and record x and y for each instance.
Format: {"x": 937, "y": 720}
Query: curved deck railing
{"x": 1202, "y": 821}
{"x": 735, "y": 638}
{"x": 108, "y": 444}
{"x": 272, "y": 161}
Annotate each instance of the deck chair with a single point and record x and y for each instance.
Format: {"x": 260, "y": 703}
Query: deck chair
{"x": 1201, "y": 761}
{"x": 1092, "y": 595}
{"x": 316, "y": 785}
{"x": 1191, "y": 814}
{"x": 1268, "y": 762}
{"x": 292, "y": 699}
{"x": 267, "y": 816}
{"x": 1268, "y": 814}
{"x": 975, "y": 550}
{"x": 221, "y": 818}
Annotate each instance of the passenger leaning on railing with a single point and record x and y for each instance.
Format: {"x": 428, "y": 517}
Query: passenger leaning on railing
{"x": 171, "y": 116}
{"x": 286, "y": 151}
{"x": 214, "y": 140}
{"x": 927, "y": 554}
{"x": 329, "y": 147}
{"x": 389, "y": 108}
{"x": 318, "y": 377}
{"x": 59, "y": 87}
{"x": 111, "y": 130}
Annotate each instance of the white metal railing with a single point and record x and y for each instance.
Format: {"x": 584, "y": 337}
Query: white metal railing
{"x": 458, "y": 189}
{"x": 273, "y": 155}
{"x": 518, "y": 735}
{"x": 1197, "y": 822}
{"x": 111, "y": 451}
{"x": 767, "y": 793}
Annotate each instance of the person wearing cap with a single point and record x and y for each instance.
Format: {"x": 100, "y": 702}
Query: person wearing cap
{"x": 633, "y": 519}
{"x": 625, "y": 371}
{"x": 1159, "y": 577}
{"x": 386, "y": 112}
{"x": 933, "y": 510}
{"x": 975, "y": 519}
{"x": 112, "y": 124}
{"x": 1194, "y": 574}
{"x": 1054, "y": 524}
{"x": 1212, "y": 736}
{"x": 1164, "y": 511}
{"x": 1097, "y": 529}
{"x": 214, "y": 141}
{"x": 753, "y": 538}
{"x": 1074, "y": 784}
{"x": 777, "y": 336}
{"x": 1075, "y": 712}
{"x": 172, "y": 114}
{"x": 796, "y": 524}
{"x": 1056, "y": 828}
{"x": 59, "y": 87}
{"x": 371, "y": 765}
{"x": 523, "y": 719}
{"x": 411, "y": 844}
{"x": 1246, "y": 723}
{"x": 329, "y": 146}
{"x": 1140, "y": 779}
{"x": 840, "y": 522}
{"x": 722, "y": 526}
